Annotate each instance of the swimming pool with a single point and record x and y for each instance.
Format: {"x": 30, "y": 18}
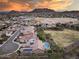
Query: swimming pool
{"x": 46, "y": 45}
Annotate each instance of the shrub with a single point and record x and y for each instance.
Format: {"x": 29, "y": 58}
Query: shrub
{"x": 41, "y": 34}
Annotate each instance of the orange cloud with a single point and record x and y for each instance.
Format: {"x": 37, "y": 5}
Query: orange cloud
{"x": 54, "y": 4}
{"x": 18, "y": 6}
{"x": 3, "y": 0}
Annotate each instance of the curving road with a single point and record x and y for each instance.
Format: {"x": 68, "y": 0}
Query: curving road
{"x": 10, "y": 46}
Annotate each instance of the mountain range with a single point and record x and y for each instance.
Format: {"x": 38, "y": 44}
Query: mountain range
{"x": 44, "y": 13}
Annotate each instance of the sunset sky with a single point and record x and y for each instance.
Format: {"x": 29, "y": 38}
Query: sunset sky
{"x": 28, "y": 5}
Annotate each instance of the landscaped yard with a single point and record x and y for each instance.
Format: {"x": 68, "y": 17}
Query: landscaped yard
{"x": 64, "y": 38}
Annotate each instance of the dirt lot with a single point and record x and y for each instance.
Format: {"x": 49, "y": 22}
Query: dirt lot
{"x": 64, "y": 38}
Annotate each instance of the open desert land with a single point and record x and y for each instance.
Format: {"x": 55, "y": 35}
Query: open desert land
{"x": 63, "y": 38}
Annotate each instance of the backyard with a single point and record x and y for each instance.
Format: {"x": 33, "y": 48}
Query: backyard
{"x": 63, "y": 38}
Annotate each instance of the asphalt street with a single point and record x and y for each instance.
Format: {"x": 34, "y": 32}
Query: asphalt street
{"x": 10, "y": 46}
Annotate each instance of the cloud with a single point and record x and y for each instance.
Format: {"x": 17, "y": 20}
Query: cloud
{"x": 2, "y": 1}
{"x": 54, "y": 4}
{"x": 18, "y": 6}
{"x": 14, "y": 6}
{"x": 31, "y": 4}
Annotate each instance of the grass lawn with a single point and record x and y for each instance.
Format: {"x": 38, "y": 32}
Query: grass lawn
{"x": 64, "y": 38}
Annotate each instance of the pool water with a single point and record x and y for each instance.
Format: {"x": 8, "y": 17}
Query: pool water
{"x": 46, "y": 45}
